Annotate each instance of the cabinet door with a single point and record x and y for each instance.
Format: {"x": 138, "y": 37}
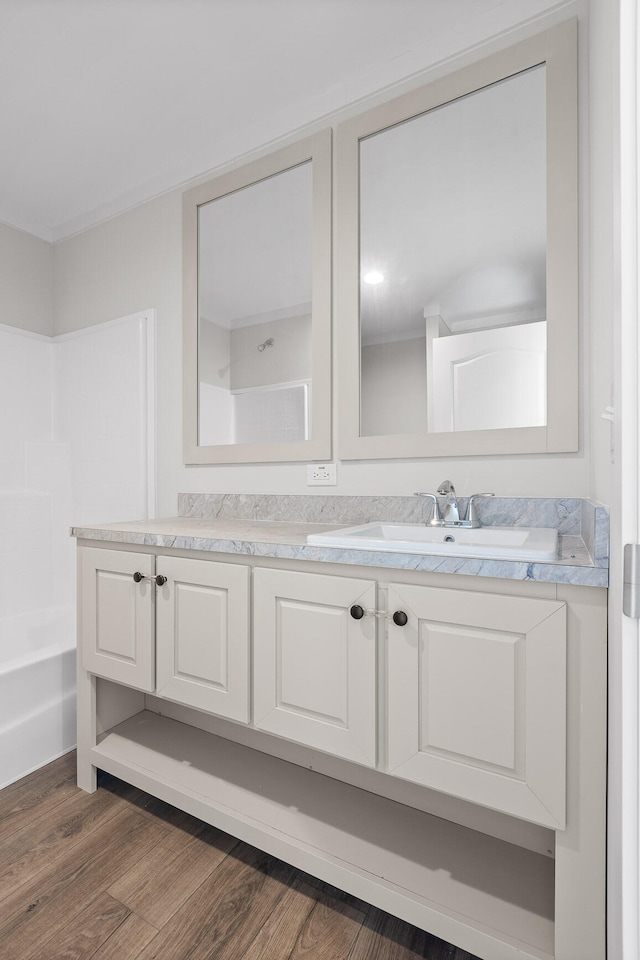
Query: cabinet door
{"x": 117, "y": 616}
{"x": 203, "y": 635}
{"x": 476, "y": 698}
{"x": 314, "y": 664}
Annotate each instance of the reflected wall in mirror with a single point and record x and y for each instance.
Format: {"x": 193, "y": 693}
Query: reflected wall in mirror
{"x": 254, "y": 312}
{"x": 460, "y": 314}
{"x": 453, "y": 242}
{"x": 257, "y": 306}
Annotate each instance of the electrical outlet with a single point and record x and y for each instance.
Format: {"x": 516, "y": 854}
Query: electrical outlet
{"x": 321, "y": 475}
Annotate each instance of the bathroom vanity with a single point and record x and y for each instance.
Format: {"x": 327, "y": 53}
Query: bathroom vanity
{"x": 428, "y": 734}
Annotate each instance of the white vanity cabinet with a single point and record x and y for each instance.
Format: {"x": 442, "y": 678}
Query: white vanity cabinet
{"x": 449, "y": 769}
{"x": 117, "y": 616}
{"x": 473, "y": 685}
{"x": 314, "y": 663}
{"x": 476, "y": 698}
{"x": 171, "y": 625}
{"x": 202, "y": 635}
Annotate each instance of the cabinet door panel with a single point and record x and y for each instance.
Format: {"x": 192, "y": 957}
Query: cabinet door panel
{"x": 477, "y": 698}
{"x": 118, "y": 616}
{"x": 203, "y": 635}
{"x": 454, "y": 668}
{"x": 314, "y": 665}
{"x": 314, "y": 661}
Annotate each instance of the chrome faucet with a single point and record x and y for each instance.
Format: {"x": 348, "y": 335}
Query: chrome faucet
{"x": 451, "y": 512}
{"x": 451, "y": 517}
{"x": 436, "y": 517}
{"x": 471, "y": 520}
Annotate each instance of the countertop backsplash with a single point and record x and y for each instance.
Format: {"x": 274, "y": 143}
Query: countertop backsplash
{"x": 572, "y": 517}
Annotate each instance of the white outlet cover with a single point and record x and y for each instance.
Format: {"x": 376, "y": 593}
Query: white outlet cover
{"x": 321, "y": 474}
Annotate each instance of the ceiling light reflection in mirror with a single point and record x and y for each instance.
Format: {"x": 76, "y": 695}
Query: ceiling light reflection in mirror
{"x": 254, "y": 312}
{"x": 453, "y": 265}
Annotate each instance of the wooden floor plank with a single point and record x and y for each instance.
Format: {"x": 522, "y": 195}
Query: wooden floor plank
{"x": 51, "y": 834}
{"x": 277, "y": 937}
{"x": 85, "y": 934}
{"x": 43, "y": 905}
{"x": 41, "y": 791}
{"x": 128, "y": 941}
{"x": 384, "y": 937}
{"x": 330, "y": 931}
{"x": 225, "y": 914}
{"x": 158, "y": 884}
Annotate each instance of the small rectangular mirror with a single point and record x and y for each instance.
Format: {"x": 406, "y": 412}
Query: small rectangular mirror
{"x": 457, "y": 241}
{"x": 257, "y": 310}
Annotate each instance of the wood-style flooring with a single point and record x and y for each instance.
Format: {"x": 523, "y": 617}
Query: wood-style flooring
{"x": 119, "y": 875}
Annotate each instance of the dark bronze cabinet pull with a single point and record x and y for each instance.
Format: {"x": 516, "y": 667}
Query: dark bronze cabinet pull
{"x": 159, "y": 580}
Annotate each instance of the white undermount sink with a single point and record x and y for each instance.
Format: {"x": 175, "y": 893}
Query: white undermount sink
{"x": 502, "y": 543}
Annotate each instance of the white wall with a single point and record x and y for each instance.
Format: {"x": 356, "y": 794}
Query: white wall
{"x": 599, "y": 253}
{"x": 102, "y": 386}
{"x": 134, "y": 261}
{"x": 75, "y": 449}
{"x": 25, "y": 400}
{"x": 26, "y": 281}
{"x": 214, "y": 358}
{"x": 288, "y": 359}
{"x": 122, "y": 267}
{"x": 26, "y": 380}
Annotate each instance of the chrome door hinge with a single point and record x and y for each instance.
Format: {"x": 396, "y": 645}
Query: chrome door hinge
{"x": 631, "y": 581}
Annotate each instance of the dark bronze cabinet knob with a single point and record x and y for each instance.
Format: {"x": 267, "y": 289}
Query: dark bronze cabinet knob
{"x": 400, "y": 618}
{"x": 357, "y": 612}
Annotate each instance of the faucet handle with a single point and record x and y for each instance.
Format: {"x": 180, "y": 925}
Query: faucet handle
{"x": 470, "y": 513}
{"x": 436, "y": 519}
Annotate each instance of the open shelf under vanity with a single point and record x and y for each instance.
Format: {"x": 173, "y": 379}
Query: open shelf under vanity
{"x": 431, "y": 872}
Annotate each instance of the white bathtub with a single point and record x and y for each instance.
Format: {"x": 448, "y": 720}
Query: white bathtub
{"x": 37, "y": 690}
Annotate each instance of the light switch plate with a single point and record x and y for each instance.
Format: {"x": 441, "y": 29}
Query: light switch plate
{"x": 321, "y": 475}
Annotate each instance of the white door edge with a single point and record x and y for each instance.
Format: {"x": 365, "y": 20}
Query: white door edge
{"x": 624, "y": 731}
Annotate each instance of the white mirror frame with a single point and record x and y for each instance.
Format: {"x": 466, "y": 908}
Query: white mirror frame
{"x": 557, "y": 49}
{"x": 317, "y": 149}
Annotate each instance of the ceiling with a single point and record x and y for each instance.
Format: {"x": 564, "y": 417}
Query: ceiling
{"x": 107, "y": 103}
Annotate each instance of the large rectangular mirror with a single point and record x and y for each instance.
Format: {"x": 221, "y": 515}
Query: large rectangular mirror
{"x": 457, "y": 243}
{"x": 257, "y": 310}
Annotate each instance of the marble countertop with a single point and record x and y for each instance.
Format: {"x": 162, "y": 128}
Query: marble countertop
{"x": 287, "y": 540}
